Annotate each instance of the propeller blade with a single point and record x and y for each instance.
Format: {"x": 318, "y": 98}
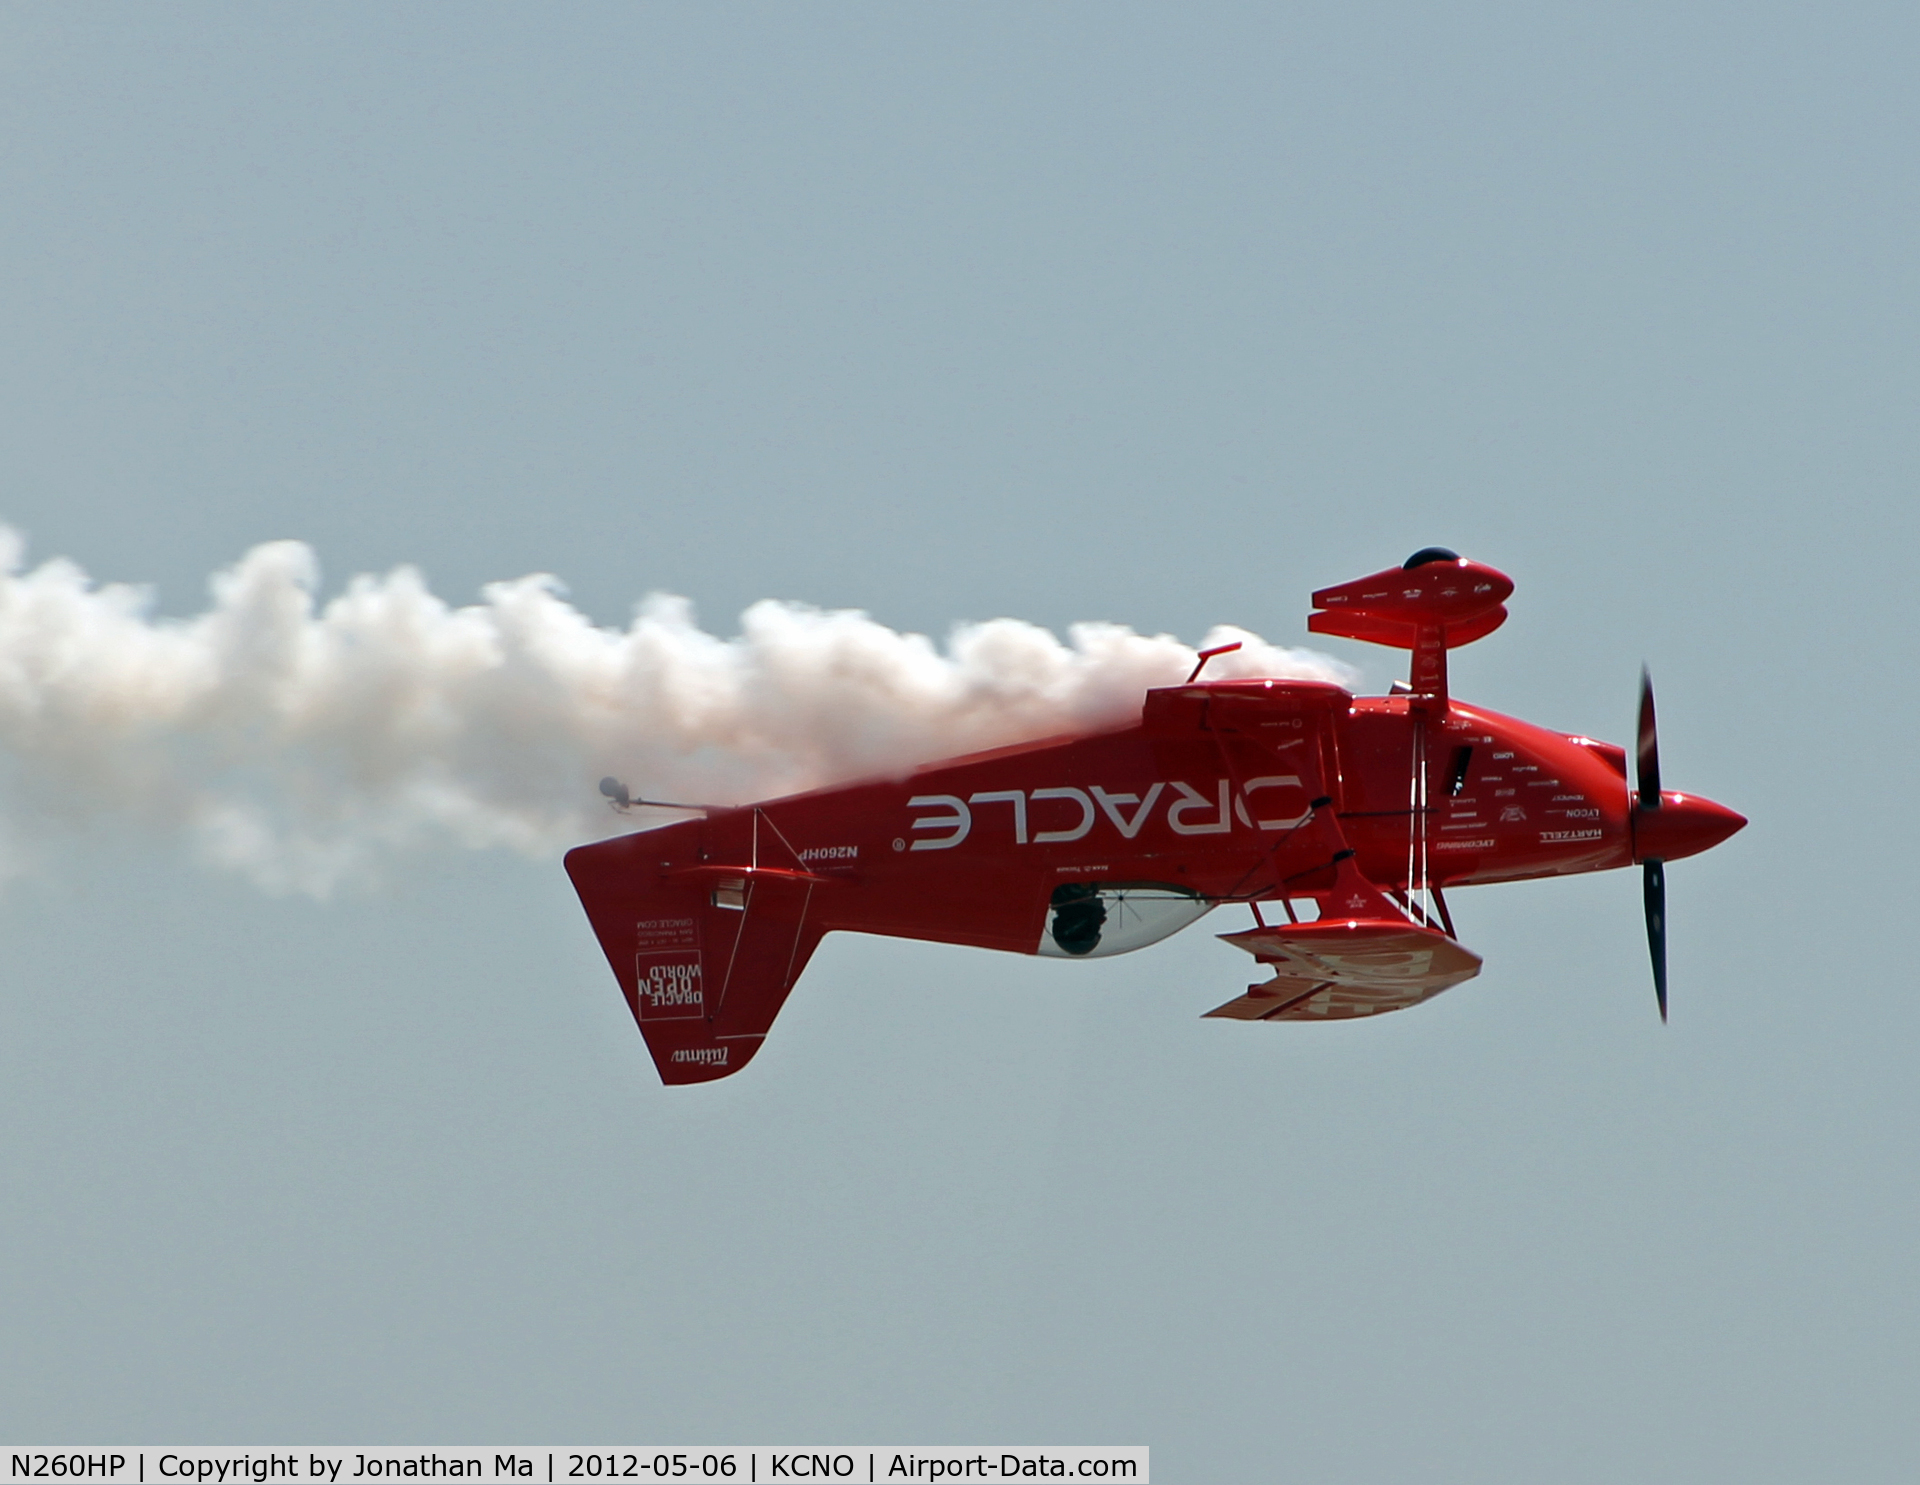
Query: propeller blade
{"x": 1654, "y": 889}
{"x": 1649, "y": 747}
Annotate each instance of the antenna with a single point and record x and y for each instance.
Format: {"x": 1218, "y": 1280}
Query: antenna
{"x": 1206, "y": 655}
{"x": 621, "y": 800}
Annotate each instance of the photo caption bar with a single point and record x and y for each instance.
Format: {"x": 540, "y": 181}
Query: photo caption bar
{"x": 146, "y": 1465}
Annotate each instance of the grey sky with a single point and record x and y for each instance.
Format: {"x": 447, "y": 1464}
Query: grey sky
{"x": 1164, "y": 316}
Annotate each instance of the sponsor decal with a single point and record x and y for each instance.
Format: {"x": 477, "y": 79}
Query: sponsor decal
{"x": 1552, "y": 837}
{"x": 667, "y": 933}
{"x": 1064, "y": 813}
{"x": 957, "y": 821}
{"x": 703, "y": 1056}
{"x": 667, "y": 984}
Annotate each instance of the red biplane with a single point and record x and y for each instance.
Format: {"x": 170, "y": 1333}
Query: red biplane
{"x": 1345, "y": 818}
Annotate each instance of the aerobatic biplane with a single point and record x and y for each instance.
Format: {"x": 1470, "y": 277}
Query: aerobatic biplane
{"x": 1340, "y": 821}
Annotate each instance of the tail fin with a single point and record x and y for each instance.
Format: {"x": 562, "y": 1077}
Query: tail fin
{"x": 705, "y": 953}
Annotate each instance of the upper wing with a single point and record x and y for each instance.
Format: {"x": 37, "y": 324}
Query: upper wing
{"x": 1335, "y": 971}
{"x": 1362, "y": 957}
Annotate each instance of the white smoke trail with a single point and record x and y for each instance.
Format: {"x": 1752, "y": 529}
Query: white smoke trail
{"x": 303, "y": 744}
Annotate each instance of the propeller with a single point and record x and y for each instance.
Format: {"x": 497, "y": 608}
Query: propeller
{"x": 1653, "y": 871}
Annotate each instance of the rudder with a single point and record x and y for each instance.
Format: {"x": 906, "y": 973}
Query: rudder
{"x": 704, "y": 953}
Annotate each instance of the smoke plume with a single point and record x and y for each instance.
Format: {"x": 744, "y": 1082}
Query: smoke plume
{"x": 306, "y": 743}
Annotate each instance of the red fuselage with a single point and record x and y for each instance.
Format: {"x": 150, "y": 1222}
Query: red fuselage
{"x": 977, "y": 860}
{"x": 1251, "y": 791}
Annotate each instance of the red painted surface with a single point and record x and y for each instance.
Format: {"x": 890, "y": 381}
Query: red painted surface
{"x": 1288, "y": 793}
